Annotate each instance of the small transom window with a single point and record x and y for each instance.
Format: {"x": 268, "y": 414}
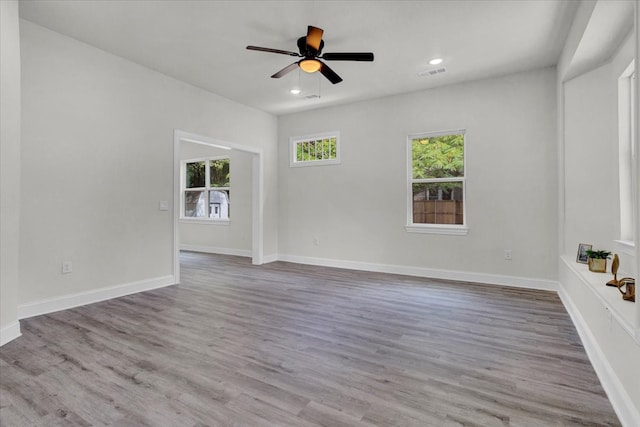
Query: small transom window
{"x": 321, "y": 149}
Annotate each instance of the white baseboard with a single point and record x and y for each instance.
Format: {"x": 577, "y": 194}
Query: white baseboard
{"x": 10, "y": 332}
{"x": 65, "y": 302}
{"x": 215, "y": 250}
{"x": 620, "y": 400}
{"x": 270, "y": 258}
{"x": 464, "y": 276}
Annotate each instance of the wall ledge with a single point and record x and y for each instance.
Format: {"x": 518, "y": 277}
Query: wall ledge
{"x": 464, "y": 276}
{"x": 618, "y": 396}
{"x": 10, "y": 332}
{"x": 609, "y": 296}
{"x": 50, "y": 305}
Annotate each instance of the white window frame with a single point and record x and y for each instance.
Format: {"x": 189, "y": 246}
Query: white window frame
{"x": 450, "y": 229}
{"x": 206, "y": 188}
{"x": 295, "y": 140}
{"x": 627, "y": 158}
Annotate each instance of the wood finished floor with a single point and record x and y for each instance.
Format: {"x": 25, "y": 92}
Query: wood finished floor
{"x": 293, "y": 345}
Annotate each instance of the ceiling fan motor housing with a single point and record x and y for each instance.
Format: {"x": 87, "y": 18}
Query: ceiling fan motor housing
{"x": 308, "y": 51}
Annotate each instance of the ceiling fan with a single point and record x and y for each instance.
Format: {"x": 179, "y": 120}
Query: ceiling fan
{"x": 310, "y": 47}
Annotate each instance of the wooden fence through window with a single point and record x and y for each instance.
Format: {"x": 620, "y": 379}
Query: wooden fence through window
{"x": 438, "y": 212}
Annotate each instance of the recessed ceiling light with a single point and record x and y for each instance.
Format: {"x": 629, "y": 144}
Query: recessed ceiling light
{"x": 435, "y": 61}
{"x": 295, "y": 91}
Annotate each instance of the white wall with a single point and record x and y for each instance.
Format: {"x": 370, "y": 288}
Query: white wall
{"x": 97, "y": 157}
{"x": 234, "y": 237}
{"x": 358, "y": 209}
{"x": 590, "y": 168}
{"x": 591, "y": 163}
{"x": 10, "y": 169}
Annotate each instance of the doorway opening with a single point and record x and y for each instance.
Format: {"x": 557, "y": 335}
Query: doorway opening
{"x": 257, "y": 186}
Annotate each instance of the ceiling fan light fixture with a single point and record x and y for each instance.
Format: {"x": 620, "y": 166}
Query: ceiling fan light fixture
{"x": 310, "y": 65}
{"x": 310, "y": 47}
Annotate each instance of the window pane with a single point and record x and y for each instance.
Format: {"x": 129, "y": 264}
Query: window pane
{"x": 298, "y": 152}
{"x": 320, "y": 149}
{"x": 195, "y": 175}
{"x": 219, "y": 173}
{"x": 219, "y": 204}
{"x": 438, "y": 203}
{"x": 305, "y": 151}
{"x": 438, "y": 157}
{"x": 195, "y": 204}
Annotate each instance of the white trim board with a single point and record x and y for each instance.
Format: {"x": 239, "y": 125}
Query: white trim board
{"x": 620, "y": 400}
{"x": 215, "y": 250}
{"x": 65, "y": 302}
{"x": 464, "y": 276}
{"x": 10, "y": 332}
{"x": 270, "y": 258}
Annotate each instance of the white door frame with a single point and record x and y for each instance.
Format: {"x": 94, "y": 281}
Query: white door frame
{"x": 257, "y": 169}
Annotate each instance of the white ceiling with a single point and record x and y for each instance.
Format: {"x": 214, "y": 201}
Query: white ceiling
{"x": 203, "y": 42}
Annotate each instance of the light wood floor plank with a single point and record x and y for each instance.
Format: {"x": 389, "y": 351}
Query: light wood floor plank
{"x": 293, "y": 345}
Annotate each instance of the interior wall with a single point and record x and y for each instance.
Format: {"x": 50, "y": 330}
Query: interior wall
{"x": 357, "y": 210}
{"x": 10, "y": 169}
{"x": 233, "y": 237}
{"x": 592, "y": 207}
{"x": 590, "y": 163}
{"x": 97, "y": 158}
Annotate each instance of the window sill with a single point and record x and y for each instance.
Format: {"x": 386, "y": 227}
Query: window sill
{"x": 453, "y": 230}
{"x": 204, "y": 221}
{"x": 314, "y": 163}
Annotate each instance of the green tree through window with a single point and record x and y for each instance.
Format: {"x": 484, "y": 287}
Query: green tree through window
{"x": 438, "y": 157}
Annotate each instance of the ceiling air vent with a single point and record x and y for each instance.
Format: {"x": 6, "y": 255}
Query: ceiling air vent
{"x": 314, "y": 96}
{"x": 433, "y": 72}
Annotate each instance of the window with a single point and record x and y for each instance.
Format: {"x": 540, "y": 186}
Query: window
{"x": 205, "y": 188}
{"x": 436, "y": 183}
{"x": 314, "y": 150}
{"x": 626, "y": 154}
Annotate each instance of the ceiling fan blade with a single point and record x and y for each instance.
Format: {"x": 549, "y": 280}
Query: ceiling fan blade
{"x": 330, "y": 74}
{"x": 285, "y": 70}
{"x": 268, "y": 49}
{"x": 314, "y": 37}
{"x": 348, "y": 56}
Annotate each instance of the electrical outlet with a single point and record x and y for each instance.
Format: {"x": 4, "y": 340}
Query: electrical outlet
{"x": 67, "y": 267}
{"x": 507, "y": 254}
{"x": 316, "y": 241}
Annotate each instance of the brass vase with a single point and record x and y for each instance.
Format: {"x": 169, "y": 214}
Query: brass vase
{"x": 597, "y": 265}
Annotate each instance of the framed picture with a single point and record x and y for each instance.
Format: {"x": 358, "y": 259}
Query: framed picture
{"x": 582, "y": 253}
